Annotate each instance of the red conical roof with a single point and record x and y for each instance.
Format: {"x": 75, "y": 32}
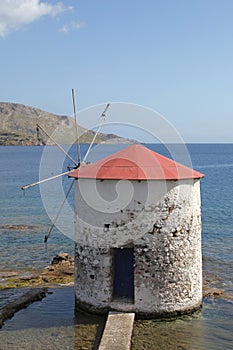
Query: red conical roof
{"x": 135, "y": 162}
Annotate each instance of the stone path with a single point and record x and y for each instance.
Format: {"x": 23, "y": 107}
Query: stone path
{"x": 117, "y": 332}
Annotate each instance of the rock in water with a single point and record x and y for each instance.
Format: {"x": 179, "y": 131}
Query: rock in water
{"x": 63, "y": 258}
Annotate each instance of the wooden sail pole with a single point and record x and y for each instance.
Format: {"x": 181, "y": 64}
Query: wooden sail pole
{"x": 57, "y": 144}
{"x": 76, "y": 128}
{"x": 102, "y": 119}
{"x": 59, "y": 211}
{"x": 45, "y": 180}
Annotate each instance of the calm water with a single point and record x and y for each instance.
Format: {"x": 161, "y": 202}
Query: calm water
{"x": 24, "y": 249}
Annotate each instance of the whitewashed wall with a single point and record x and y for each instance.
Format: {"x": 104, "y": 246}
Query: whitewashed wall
{"x": 162, "y": 221}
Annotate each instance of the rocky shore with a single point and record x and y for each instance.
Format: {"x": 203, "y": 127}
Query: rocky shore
{"x": 22, "y": 300}
{"x": 60, "y": 271}
{"x": 33, "y": 285}
{"x": 30, "y": 286}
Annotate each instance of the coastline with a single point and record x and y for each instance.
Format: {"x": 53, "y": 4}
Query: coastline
{"x": 27, "y": 286}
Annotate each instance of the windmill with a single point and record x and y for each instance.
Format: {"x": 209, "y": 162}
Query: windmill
{"x": 76, "y": 164}
{"x": 137, "y": 224}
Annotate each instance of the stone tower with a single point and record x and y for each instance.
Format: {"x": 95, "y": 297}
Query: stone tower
{"x": 138, "y": 235}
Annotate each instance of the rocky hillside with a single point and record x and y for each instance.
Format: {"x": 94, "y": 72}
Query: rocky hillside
{"x": 18, "y": 127}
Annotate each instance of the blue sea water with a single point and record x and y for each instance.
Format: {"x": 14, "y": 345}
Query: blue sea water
{"x": 25, "y": 249}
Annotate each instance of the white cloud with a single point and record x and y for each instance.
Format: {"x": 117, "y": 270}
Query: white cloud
{"x": 70, "y": 27}
{"x": 16, "y": 13}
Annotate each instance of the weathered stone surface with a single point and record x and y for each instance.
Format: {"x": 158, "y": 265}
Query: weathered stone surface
{"x": 166, "y": 237}
{"x": 215, "y": 292}
{"x": 61, "y": 271}
{"x": 23, "y": 301}
{"x": 63, "y": 259}
{"x": 117, "y": 332}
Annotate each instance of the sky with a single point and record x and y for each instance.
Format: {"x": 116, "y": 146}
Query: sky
{"x": 171, "y": 56}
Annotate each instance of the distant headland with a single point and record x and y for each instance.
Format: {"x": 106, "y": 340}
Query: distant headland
{"x": 18, "y": 127}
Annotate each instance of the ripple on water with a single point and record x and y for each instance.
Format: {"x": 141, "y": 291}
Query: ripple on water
{"x": 209, "y": 328}
{"x": 52, "y": 324}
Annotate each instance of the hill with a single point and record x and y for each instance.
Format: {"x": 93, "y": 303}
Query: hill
{"x": 18, "y": 127}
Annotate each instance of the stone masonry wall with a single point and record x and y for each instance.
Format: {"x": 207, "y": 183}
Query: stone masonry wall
{"x": 93, "y": 276}
{"x": 167, "y": 251}
{"x": 168, "y": 260}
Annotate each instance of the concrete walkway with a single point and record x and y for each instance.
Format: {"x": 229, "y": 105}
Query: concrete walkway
{"x": 117, "y": 331}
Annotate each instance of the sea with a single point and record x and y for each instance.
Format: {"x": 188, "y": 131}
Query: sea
{"x": 25, "y": 219}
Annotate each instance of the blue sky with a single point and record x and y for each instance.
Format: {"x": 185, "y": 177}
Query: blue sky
{"x": 173, "y": 56}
